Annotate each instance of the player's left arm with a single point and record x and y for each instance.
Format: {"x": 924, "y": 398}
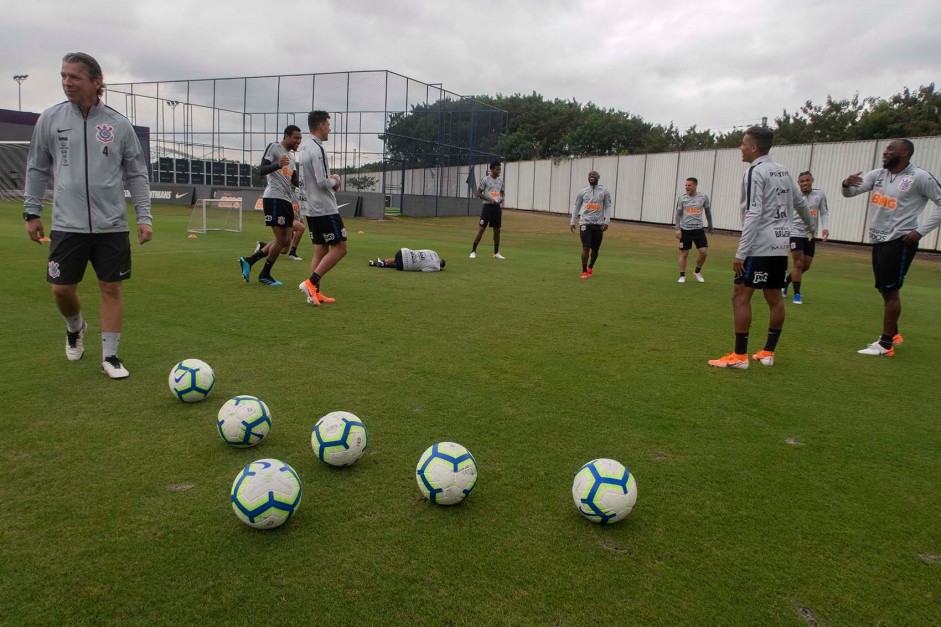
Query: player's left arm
{"x": 135, "y": 175}
{"x": 824, "y": 216}
{"x": 607, "y": 211}
{"x": 707, "y": 209}
{"x": 930, "y": 190}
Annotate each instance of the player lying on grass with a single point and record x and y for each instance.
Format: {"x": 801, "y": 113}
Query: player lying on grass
{"x": 407, "y": 260}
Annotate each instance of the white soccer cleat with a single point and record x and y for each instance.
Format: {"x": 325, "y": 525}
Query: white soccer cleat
{"x": 75, "y": 343}
{"x": 113, "y": 367}
{"x": 295, "y": 258}
{"x": 498, "y": 256}
{"x": 473, "y": 255}
{"x": 877, "y": 350}
{"x": 699, "y": 278}
{"x": 682, "y": 279}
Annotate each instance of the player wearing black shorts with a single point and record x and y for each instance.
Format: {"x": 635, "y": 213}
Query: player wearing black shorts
{"x": 690, "y": 227}
{"x": 592, "y": 209}
{"x": 803, "y": 244}
{"x": 278, "y": 203}
{"x": 490, "y": 191}
{"x": 769, "y": 199}
{"x": 899, "y": 193}
{"x": 87, "y": 151}
{"x": 327, "y": 231}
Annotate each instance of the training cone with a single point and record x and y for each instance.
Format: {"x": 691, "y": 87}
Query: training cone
{"x": 192, "y": 236}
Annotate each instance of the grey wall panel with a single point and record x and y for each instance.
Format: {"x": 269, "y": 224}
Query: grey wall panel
{"x": 727, "y": 189}
{"x": 526, "y": 175}
{"x": 831, "y": 163}
{"x": 560, "y": 194}
{"x": 511, "y": 181}
{"x": 928, "y": 156}
{"x": 795, "y": 158}
{"x": 659, "y": 187}
{"x": 630, "y": 187}
{"x": 542, "y": 182}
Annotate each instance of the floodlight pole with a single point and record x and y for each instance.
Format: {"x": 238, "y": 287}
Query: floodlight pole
{"x": 19, "y": 78}
{"x": 172, "y": 104}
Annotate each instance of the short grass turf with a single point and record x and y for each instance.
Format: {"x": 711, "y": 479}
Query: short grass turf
{"x": 807, "y": 492}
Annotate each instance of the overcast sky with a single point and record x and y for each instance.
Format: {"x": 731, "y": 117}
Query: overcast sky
{"x": 713, "y": 64}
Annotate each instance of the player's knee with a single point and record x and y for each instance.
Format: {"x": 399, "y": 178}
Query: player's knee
{"x": 110, "y": 289}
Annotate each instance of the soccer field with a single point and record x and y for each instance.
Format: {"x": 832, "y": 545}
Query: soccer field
{"x": 804, "y": 493}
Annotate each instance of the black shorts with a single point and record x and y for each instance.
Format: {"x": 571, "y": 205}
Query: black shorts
{"x": 398, "y": 260}
{"x": 278, "y": 212}
{"x": 591, "y": 235}
{"x": 69, "y": 254}
{"x": 491, "y": 215}
{"x": 693, "y": 236}
{"x": 764, "y": 273}
{"x": 804, "y": 245}
{"x": 326, "y": 230}
{"x": 890, "y": 263}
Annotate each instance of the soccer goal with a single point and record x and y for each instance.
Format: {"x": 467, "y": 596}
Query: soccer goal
{"x": 217, "y": 214}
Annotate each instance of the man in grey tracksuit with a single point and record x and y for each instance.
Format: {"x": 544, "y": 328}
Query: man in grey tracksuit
{"x": 592, "y": 209}
{"x": 769, "y": 200}
{"x": 89, "y": 150}
{"x": 900, "y": 191}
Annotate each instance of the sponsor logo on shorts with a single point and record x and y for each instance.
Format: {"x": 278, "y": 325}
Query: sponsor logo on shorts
{"x": 329, "y": 237}
{"x": 281, "y": 221}
{"x": 54, "y": 272}
{"x": 481, "y": 222}
{"x": 906, "y": 184}
{"x": 793, "y": 245}
{"x": 760, "y": 277}
{"x": 343, "y": 232}
{"x": 105, "y": 133}
{"x": 682, "y": 246}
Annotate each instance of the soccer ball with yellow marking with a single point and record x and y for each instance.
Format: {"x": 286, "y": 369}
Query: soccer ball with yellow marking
{"x": 604, "y": 491}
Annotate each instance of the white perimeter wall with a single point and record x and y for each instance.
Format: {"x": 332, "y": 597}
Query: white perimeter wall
{"x": 644, "y": 188}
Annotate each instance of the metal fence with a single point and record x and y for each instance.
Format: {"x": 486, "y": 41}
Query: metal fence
{"x": 381, "y": 122}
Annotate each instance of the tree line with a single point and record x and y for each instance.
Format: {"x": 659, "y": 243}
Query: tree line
{"x": 537, "y": 128}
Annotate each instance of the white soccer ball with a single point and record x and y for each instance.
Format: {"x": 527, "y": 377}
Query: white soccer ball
{"x": 244, "y": 421}
{"x": 604, "y": 491}
{"x": 266, "y": 493}
{"x": 446, "y": 473}
{"x": 192, "y": 380}
{"x": 339, "y": 438}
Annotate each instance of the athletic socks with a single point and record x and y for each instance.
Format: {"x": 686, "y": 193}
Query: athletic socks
{"x": 255, "y": 257}
{"x": 787, "y": 280}
{"x": 315, "y": 279}
{"x": 74, "y": 323}
{"x": 773, "y": 336}
{"x": 797, "y": 287}
{"x": 293, "y": 251}
{"x": 266, "y": 271}
{"x": 741, "y": 343}
{"x": 474, "y": 248}
{"x": 698, "y": 269}
{"x": 682, "y": 274}
{"x": 885, "y": 341}
{"x": 109, "y": 344}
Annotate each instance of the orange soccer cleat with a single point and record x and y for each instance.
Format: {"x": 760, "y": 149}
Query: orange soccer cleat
{"x": 732, "y": 360}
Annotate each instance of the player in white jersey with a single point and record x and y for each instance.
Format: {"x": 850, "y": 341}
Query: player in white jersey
{"x": 900, "y": 191}
{"x": 592, "y": 209}
{"x": 490, "y": 191}
{"x": 803, "y": 247}
{"x": 278, "y": 198}
{"x": 690, "y": 227}
{"x": 769, "y": 200}
{"x": 408, "y": 260}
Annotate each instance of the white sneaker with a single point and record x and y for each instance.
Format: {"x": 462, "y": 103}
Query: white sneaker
{"x": 295, "y": 258}
{"x": 75, "y": 343}
{"x": 682, "y": 279}
{"x": 498, "y": 256}
{"x": 113, "y": 367}
{"x": 699, "y": 277}
{"x": 876, "y": 349}
{"x": 473, "y": 255}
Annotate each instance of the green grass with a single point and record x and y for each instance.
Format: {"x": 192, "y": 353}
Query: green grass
{"x": 804, "y": 492}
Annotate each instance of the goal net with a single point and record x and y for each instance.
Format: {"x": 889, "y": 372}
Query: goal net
{"x": 216, "y": 214}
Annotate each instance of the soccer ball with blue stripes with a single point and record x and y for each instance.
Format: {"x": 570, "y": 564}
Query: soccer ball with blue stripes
{"x": 339, "y": 438}
{"x": 446, "y": 473}
{"x": 266, "y": 493}
{"x": 244, "y": 421}
{"x": 192, "y": 380}
{"x": 604, "y": 491}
